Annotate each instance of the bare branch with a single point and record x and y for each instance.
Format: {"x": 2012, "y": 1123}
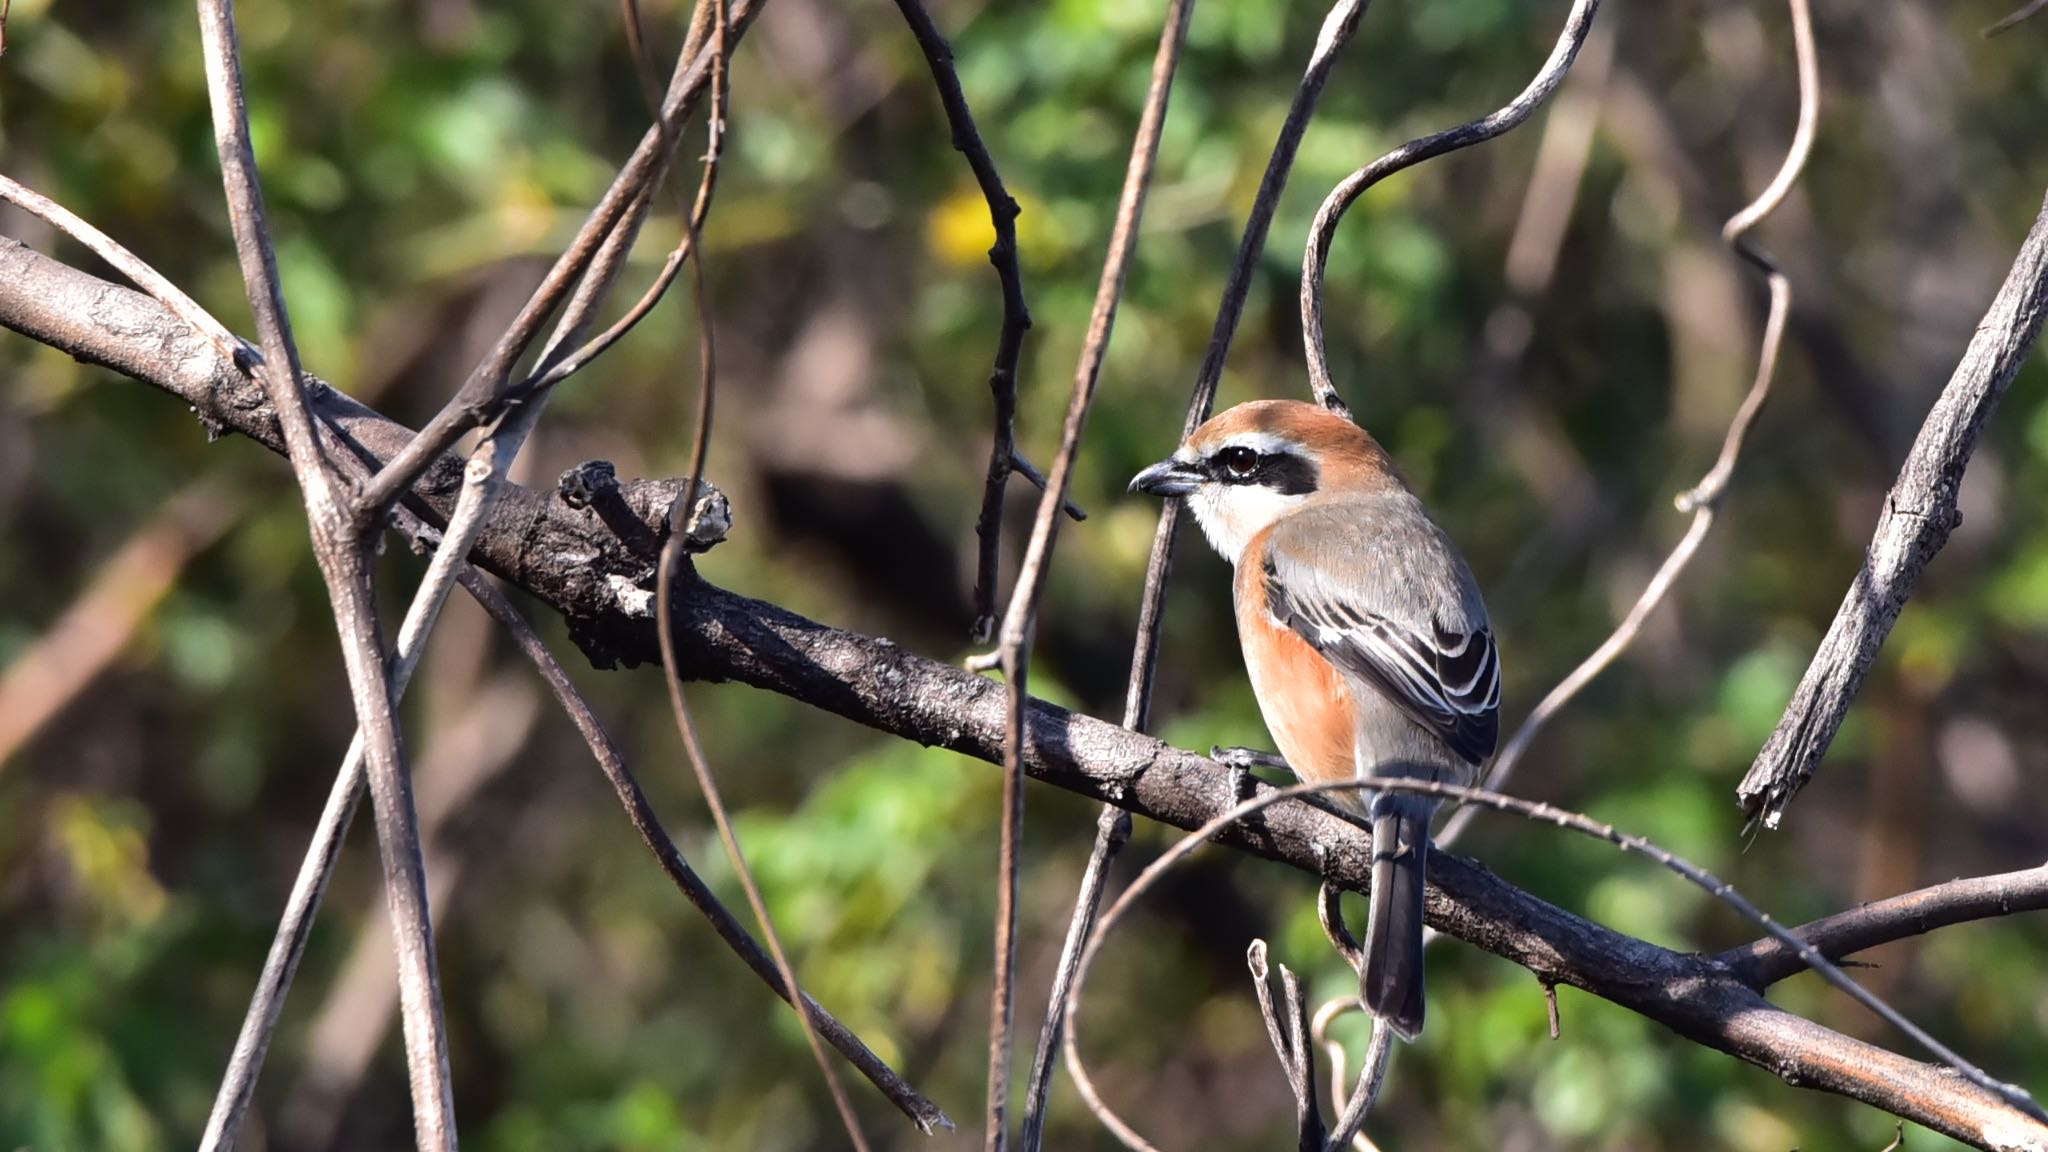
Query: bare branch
{"x": 557, "y": 365}
{"x": 1021, "y": 620}
{"x": 682, "y": 522}
{"x": 1002, "y": 378}
{"x": 1289, "y": 1038}
{"x": 1372, "y": 1072}
{"x": 1324, "y": 229}
{"x": 2026, "y": 12}
{"x": 482, "y": 478}
{"x": 1030, "y": 472}
{"x": 1372, "y": 1076}
{"x": 1919, "y": 513}
{"x": 1319, "y": 1030}
{"x": 1770, "y": 960}
{"x": 702, "y": 768}
{"x": 280, "y": 369}
{"x": 1112, "y": 832}
{"x": 128, "y": 264}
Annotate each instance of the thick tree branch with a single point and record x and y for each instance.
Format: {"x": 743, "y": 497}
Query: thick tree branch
{"x": 571, "y": 559}
{"x": 1918, "y": 515}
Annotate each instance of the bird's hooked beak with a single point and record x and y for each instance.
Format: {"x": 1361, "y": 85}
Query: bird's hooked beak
{"x": 1169, "y": 477}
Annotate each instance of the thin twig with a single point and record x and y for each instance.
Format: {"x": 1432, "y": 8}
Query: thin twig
{"x": 1316, "y": 254}
{"x": 1113, "y": 826}
{"x": 1703, "y": 500}
{"x": 489, "y": 385}
{"x": 481, "y": 481}
{"x": 1319, "y": 1030}
{"x": 612, "y": 763}
{"x": 280, "y": 371}
{"x": 1289, "y": 1038}
{"x": 555, "y": 364}
{"x": 1020, "y": 621}
{"x": 461, "y": 751}
{"x": 341, "y": 544}
{"x": 2013, "y": 1095}
{"x": 560, "y": 357}
{"x": 702, "y": 770}
{"x": 682, "y": 522}
{"x": 1030, "y": 472}
{"x": 1002, "y": 378}
{"x": 1350, "y": 1114}
{"x": 1372, "y": 1076}
{"x": 1112, "y": 831}
{"x": 2027, "y": 12}
{"x": 135, "y": 268}
{"x": 643, "y": 60}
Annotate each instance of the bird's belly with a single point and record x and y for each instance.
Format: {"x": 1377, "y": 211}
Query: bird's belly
{"x": 1303, "y": 700}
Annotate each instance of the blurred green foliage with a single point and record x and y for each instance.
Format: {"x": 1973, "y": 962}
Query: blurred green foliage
{"x": 422, "y": 160}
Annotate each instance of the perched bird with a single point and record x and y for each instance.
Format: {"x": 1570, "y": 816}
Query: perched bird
{"x": 1364, "y": 636}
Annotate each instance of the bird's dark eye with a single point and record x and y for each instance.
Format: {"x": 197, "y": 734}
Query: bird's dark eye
{"x": 1239, "y": 461}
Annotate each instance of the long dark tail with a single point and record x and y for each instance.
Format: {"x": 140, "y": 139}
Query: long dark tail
{"x": 1391, "y": 983}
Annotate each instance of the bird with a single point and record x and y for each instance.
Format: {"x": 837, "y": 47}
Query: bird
{"x": 1364, "y": 635}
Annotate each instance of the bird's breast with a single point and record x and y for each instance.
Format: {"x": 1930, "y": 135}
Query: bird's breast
{"x": 1303, "y": 698}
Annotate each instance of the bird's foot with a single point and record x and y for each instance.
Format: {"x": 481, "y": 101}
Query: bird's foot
{"x": 1245, "y": 759}
{"x": 1241, "y": 761}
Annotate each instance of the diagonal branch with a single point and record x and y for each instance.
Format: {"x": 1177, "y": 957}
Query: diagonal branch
{"x": 1919, "y": 513}
{"x": 135, "y": 268}
{"x": 490, "y": 383}
{"x": 1770, "y": 960}
{"x": 2019, "y": 1102}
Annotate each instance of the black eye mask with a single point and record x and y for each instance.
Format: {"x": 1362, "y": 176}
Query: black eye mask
{"x": 1287, "y": 473}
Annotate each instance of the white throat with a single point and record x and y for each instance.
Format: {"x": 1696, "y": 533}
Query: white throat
{"x": 1230, "y": 515}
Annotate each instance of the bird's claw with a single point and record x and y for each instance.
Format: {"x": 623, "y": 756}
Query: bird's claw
{"x": 1245, "y": 759}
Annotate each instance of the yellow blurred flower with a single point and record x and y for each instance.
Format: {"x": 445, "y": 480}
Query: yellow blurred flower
{"x": 960, "y": 233}
{"x": 108, "y": 857}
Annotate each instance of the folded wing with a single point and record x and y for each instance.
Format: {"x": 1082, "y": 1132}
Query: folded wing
{"x": 1438, "y": 664}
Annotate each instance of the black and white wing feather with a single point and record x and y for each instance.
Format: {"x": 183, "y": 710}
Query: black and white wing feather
{"x": 1435, "y": 661}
